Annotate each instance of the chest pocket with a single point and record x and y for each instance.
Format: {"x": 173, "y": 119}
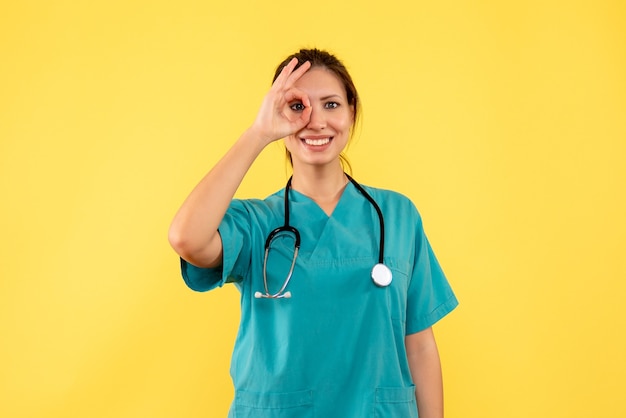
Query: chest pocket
{"x": 398, "y": 291}
{"x": 272, "y": 405}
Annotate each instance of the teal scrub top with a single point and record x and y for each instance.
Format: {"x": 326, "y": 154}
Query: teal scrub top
{"x": 335, "y": 348}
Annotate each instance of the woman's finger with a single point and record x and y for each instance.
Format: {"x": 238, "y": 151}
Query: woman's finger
{"x": 288, "y": 76}
{"x": 305, "y": 116}
{"x": 293, "y": 94}
{"x": 299, "y": 72}
{"x": 284, "y": 73}
{"x": 297, "y": 118}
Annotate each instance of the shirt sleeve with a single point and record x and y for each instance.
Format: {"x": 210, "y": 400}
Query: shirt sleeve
{"x": 235, "y": 231}
{"x": 430, "y": 296}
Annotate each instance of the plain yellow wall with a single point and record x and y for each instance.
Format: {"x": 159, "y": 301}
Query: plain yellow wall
{"x": 503, "y": 121}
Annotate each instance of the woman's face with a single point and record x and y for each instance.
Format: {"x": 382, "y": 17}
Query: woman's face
{"x": 321, "y": 141}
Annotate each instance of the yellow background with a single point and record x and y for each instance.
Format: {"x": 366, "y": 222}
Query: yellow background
{"x": 503, "y": 121}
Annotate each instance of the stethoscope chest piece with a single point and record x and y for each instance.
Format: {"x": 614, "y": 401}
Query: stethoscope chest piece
{"x": 381, "y": 275}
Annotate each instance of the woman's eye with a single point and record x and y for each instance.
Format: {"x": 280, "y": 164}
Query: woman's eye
{"x": 332, "y": 105}
{"x": 297, "y": 107}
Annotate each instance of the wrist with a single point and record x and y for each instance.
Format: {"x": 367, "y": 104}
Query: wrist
{"x": 255, "y": 138}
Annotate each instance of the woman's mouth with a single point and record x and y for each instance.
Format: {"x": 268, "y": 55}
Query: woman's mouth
{"x": 316, "y": 142}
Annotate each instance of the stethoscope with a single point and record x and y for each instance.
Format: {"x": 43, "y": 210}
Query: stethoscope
{"x": 381, "y": 274}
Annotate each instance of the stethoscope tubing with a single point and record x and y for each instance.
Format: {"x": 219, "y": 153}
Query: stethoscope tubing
{"x": 288, "y": 228}
{"x": 381, "y": 247}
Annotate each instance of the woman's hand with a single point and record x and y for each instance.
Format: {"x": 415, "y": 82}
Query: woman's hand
{"x": 276, "y": 119}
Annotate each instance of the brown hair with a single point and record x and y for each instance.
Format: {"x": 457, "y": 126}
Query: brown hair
{"x": 324, "y": 59}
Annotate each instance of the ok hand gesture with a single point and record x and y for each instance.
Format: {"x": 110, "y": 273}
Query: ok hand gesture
{"x": 276, "y": 119}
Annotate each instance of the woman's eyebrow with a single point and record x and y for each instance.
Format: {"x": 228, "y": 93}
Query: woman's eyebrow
{"x": 330, "y": 96}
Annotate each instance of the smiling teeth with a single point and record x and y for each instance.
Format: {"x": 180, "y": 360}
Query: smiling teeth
{"x": 317, "y": 142}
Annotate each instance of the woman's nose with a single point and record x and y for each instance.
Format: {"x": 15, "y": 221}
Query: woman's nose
{"x": 317, "y": 121}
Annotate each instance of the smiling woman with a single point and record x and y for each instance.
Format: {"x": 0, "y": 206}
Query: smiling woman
{"x": 348, "y": 334}
{"x": 348, "y": 91}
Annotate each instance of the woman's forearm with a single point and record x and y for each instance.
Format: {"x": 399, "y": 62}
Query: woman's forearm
{"x": 425, "y": 367}
{"x": 193, "y": 231}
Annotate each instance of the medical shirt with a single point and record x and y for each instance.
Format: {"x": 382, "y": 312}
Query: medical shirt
{"x": 335, "y": 348}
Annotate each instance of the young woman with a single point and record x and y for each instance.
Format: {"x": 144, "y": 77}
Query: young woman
{"x": 339, "y": 285}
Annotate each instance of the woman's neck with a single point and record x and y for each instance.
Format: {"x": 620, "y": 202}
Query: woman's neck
{"x": 322, "y": 184}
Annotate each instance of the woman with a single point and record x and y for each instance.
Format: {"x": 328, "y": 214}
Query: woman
{"x": 322, "y": 332}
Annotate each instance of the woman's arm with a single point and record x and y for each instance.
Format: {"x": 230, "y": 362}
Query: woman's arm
{"x": 425, "y": 366}
{"x": 193, "y": 232}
